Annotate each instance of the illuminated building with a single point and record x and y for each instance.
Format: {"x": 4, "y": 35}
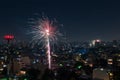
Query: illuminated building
{"x": 8, "y": 38}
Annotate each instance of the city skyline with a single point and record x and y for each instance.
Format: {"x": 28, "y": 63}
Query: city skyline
{"x": 80, "y": 20}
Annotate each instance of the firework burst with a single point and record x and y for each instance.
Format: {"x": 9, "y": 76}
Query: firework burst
{"x": 45, "y": 31}
{"x": 43, "y": 28}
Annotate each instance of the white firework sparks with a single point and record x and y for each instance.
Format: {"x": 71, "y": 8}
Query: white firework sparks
{"x": 42, "y": 28}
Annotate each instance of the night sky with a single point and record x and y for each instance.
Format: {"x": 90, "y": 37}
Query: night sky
{"x": 83, "y": 20}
